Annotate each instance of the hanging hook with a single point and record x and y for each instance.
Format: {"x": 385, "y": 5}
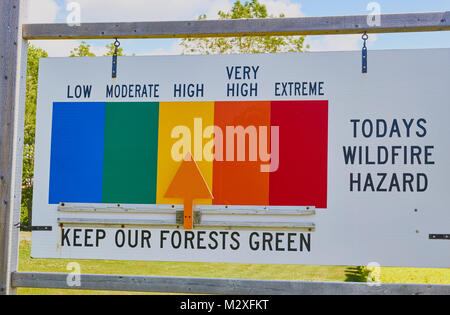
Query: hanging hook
{"x": 114, "y": 62}
{"x": 365, "y": 37}
{"x": 116, "y": 45}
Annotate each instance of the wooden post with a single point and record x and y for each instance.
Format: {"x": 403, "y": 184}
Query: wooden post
{"x": 10, "y": 152}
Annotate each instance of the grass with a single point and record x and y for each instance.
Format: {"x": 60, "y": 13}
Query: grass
{"x": 236, "y": 271}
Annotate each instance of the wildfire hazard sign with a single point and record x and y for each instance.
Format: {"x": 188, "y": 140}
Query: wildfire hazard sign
{"x": 284, "y": 158}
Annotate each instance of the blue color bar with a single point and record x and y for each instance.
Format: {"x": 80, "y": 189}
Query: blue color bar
{"x": 76, "y": 163}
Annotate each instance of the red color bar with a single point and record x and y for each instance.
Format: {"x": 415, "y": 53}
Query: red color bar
{"x": 301, "y": 179}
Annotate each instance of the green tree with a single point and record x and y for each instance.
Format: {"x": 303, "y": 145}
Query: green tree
{"x": 34, "y": 54}
{"x": 84, "y": 50}
{"x": 244, "y": 45}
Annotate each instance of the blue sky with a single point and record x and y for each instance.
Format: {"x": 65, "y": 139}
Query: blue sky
{"x": 141, "y": 10}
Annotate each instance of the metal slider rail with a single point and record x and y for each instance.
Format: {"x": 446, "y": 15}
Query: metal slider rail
{"x": 203, "y": 216}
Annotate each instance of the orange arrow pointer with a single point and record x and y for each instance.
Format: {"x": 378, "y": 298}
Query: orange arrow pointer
{"x": 188, "y": 184}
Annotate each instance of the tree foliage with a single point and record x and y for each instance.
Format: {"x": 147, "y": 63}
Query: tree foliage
{"x": 244, "y": 45}
{"x": 84, "y": 50}
{"x": 34, "y": 54}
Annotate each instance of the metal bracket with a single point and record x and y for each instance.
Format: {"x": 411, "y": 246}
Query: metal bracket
{"x": 34, "y": 228}
{"x": 180, "y": 217}
{"x": 114, "y": 67}
{"x": 114, "y": 59}
{"x": 365, "y": 37}
{"x": 41, "y": 228}
{"x": 439, "y": 236}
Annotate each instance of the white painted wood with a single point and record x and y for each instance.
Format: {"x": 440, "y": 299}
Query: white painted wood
{"x": 257, "y": 226}
{"x": 221, "y": 286}
{"x": 355, "y": 24}
{"x": 210, "y": 225}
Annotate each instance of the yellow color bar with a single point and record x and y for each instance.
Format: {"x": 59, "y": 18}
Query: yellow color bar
{"x": 181, "y": 130}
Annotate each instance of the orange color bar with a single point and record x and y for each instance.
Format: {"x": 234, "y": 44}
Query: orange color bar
{"x": 238, "y": 179}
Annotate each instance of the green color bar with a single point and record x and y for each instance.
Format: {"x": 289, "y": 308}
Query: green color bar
{"x": 131, "y": 152}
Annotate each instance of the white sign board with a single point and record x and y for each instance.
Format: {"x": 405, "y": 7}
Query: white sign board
{"x": 309, "y": 160}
